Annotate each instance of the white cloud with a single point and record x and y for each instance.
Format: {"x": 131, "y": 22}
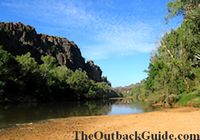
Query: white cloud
{"x": 57, "y": 11}
{"x": 114, "y": 35}
{"x": 121, "y": 39}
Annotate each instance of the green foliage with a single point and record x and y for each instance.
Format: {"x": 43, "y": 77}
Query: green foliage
{"x": 181, "y": 7}
{"x": 25, "y": 80}
{"x": 174, "y": 8}
{"x": 6, "y": 60}
{"x": 27, "y": 62}
{"x": 8, "y": 70}
{"x": 168, "y": 71}
{"x": 62, "y": 73}
{"x": 171, "y": 72}
{"x": 79, "y": 81}
{"x": 49, "y": 65}
{"x": 174, "y": 69}
{"x": 29, "y": 78}
{"x": 49, "y": 61}
{"x": 192, "y": 98}
{"x": 103, "y": 90}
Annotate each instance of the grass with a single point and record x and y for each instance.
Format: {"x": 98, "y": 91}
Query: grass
{"x": 190, "y": 99}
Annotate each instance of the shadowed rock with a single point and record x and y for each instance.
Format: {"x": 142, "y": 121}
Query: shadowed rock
{"x": 18, "y": 39}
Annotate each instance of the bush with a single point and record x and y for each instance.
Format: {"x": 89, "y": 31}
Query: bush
{"x": 190, "y": 99}
{"x": 26, "y": 79}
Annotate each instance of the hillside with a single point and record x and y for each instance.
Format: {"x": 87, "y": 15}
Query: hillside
{"x": 19, "y": 39}
{"x": 39, "y": 67}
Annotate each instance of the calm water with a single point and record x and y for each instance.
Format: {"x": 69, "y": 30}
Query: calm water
{"x": 11, "y": 115}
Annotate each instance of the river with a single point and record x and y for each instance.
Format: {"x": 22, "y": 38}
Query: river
{"x": 11, "y": 115}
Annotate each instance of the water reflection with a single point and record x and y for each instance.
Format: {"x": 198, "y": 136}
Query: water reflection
{"x": 26, "y": 113}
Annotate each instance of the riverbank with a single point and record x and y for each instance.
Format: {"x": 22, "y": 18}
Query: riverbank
{"x": 180, "y": 120}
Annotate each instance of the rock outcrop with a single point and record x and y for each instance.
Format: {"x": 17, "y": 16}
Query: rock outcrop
{"x": 18, "y": 39}
{"x": 94, "y": 71}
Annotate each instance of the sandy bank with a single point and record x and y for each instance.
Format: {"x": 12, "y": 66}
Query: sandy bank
{"x": 181, "y": 120}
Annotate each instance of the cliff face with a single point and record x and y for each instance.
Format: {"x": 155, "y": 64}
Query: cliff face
{"x": 18, "y": 39}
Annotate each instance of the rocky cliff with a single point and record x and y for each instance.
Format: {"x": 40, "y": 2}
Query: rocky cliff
{"x": 18, "y": 39}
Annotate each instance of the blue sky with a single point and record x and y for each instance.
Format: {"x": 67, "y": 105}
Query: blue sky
{"x": 119, "y": 35}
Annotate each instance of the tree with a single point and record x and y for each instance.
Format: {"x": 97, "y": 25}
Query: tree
{"x": 29, "y": 77}
{"x": 8, "y": 71}
{"x": 79, "y": 81}
{"x": 27, "y": 62}
{"x": 175, "y": 68}
{"x": 181, "y": 7}
{"x": 62, "y": 73}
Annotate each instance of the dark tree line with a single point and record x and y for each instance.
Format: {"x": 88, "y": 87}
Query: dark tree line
{"x": 22, "y": 79}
